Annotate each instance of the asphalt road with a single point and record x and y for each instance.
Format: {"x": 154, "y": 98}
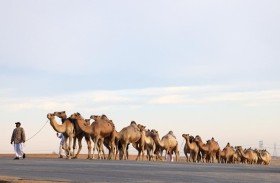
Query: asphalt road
{"x": 81, "y": 170}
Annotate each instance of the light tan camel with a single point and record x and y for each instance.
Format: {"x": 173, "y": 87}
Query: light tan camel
{"x": 168, "y": 143}
{"x": 236, "y": 157}
{"x": 209, "y": 150}
{"x": 264, "y": 157}
{"x": 130, "y": 134}
{"x": 99, "y": 129}
{"x": 107, "y": 143}
{"x": 67, "y": 128}
{"x": 227, "y": 154}
{"x": 79, "y": 134}
{"x": 250, "y": 155}
{"x": 148, "y": 142}
{"x": 191, "y": 148}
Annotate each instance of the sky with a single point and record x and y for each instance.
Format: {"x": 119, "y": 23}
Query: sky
{"x": 208, "y": 68}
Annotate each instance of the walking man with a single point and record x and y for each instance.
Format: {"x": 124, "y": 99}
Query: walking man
{"x": 61, "y": 136}
{"x": 18, "y": 137}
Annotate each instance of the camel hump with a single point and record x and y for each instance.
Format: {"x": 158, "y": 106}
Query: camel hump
{"x": 103, "y": 116}
{"x": 112, "y": 124}
{"x": 171, "y": 133}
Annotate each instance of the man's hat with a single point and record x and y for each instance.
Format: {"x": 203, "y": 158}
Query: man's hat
{"x": 17, "y": 123}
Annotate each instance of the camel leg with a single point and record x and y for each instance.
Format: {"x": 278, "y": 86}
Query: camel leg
{"x": 111, "y": 152}
{"x": 138, "y": 149}
{"x": 80, "y": 146}
{"x": 95, "y": 140}
{"x": 177, "y": 155}
{"x": 143, "y": 151}
{"x": 170, "y": 155}
{"x": 195, "y": 157}
{"x": 101, "y": 149}
{"x": 148, "y": 154}
{"x": 65, "y": 147}
{"x": 74, "y": 145}
{"x": 89, "y": 147}
{"x": 117, "y": 149}
{"x": 70, "y": 148}
{"x": 124, "y": 146}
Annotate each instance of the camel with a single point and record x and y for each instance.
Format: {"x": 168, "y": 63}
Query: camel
{"x": 129, "y": 134}
{"x": 250, "y": 155}
{"x": 147, "y": 141}
{"x": 99, "y": 129}
{"x": 67, "y": 128}
{"x": 168, "y": 143}
{"x": 227, "y": 154}
{"x": 79, "y": 134}
{"x": 264, "y": 157}
{"x": 209, "y": 149}
{"x": 236, "y": 157}
{"x": 191, "y": 148}
{"x": 107, "y": 143}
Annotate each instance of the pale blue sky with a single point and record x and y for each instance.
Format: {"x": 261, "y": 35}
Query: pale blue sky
{"x": 200, "y": 67}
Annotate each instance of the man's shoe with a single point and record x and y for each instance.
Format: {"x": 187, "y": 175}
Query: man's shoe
{"x": 60, "y": 156}
{"x": 16, "y": 158}
{"x": 23, "y": 156}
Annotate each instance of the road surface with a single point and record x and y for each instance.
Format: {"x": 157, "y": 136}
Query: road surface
{"x": 82, "y": 170}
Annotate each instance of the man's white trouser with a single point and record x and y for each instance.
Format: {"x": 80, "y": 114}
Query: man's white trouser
{"x": 18, "y": 150}
{"x": 60, "y": 150}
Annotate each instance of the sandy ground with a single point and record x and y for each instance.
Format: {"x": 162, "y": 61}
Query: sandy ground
{"x": 4, "y": 179}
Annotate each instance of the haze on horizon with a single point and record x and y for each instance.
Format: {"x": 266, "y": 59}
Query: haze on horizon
{"x": 208, "y": 68}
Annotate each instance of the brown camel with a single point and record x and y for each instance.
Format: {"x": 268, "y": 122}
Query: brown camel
{"x": 107, "y": 143}
{"x": 79, "y": 134}
{"x": 148, "y": 142}
{"x": 209, "y": 150}
{"x": 130, "y": 134}
{"x": 67, "y": 128}
{"x": 227, "y": 154}
{"x": 99, "y": 129}
{"x": 249, "y": 155}
{"x": 191, "y": 148}
{"x": 168, "y": 143}
{"x": 264, "y": 157}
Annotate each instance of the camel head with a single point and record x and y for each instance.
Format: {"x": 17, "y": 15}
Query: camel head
{"x": 97, "y": 117}
{"x": 197, "y": 139}
{"x": 76, "y": 116}
{"x": 141, "y": 127}
{"x": 186, "y": 136}
{"x": 87, "y": 122}
{"x": 238, "y": 148}
{"x": 154, "y": 133}
{"x": 61, "y": 114}
{"x": 50, "y": 116}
